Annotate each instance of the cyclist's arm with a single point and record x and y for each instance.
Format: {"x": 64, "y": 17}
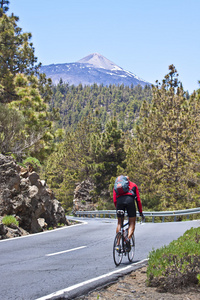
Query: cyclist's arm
{"x": 114, "y": 198}
{"x": 139, "y": 203}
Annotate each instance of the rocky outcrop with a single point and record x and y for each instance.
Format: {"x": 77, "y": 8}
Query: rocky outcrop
{"x": 25, "y": 196}
{"x": 11, "y": 231}
{"x": 83, "y": 198}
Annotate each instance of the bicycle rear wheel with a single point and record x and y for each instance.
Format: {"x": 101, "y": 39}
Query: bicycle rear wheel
{"x": 131, "y": 253}
{"x": 117, "y": 249}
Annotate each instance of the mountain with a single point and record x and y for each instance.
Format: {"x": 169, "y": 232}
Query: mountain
{"x": 94, "y": 68}
{"x": 99, "y": 61}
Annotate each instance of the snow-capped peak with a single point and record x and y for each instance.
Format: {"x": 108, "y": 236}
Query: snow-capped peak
{"x": 99, "y": 61}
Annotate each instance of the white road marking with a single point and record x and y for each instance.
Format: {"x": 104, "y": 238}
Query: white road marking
{"x": 73, "y": 287}
{"x": 65, "y": 251}
{"x": 45, "y": 232}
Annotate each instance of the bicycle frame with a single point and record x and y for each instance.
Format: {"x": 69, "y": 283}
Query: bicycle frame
{"x": 123, "y": 230}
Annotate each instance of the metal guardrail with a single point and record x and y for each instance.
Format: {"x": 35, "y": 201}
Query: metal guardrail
{"x": 152, "y": 214}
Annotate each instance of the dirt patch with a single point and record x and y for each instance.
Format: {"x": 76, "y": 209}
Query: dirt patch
{"x": 133, "y": 286}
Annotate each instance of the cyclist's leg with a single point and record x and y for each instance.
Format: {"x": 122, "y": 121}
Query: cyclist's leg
{"x": 119, "y": 221}
{"x": 131, "y": 211}
{"x": 131, "y": 228}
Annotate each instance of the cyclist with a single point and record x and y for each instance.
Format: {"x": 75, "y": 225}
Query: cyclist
{"x": 126, "y": 202}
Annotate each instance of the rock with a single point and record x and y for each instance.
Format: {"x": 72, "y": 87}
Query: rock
{"x": 83, "y": 197}
{"x": 24, "y": 174}
{"x": 25, "y": 196}
{"x": 3, "y": 230}
{"x": 42, "y": 223}
{"x": 11, "y": 231}
{"x": 43, "y": 182}
{"x": 33, "y": 177}
{"x": 24, "y": 183}
{"x": 15, "y": 232}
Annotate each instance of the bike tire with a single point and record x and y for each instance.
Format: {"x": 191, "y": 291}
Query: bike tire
{"x": 117, "y": 255}
{"x": 131, "y": 253}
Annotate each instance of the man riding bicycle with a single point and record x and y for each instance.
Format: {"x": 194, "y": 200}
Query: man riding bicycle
{"x": 126, "y": 201}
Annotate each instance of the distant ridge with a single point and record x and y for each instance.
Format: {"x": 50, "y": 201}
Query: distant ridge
{"x": 94, "y": 68}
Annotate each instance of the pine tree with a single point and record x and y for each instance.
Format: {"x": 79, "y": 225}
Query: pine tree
{"x": 11, "y": 128}
{"x": 108, "y": 154}
{"x": 16, "y": 56}
{"x": 22, "y": 88}
{"x": 166, "y": 146}
{"x": 87, "y": 153}
{"x": 30, "y": 104}
{"x": 3, "y": 7}
{"x": 72, "y": 162}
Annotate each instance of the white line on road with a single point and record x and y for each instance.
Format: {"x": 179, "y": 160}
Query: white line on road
{"x": 73, "y": 287}
{"x": 44, "y": 232}
{"x": 65, "y": 251}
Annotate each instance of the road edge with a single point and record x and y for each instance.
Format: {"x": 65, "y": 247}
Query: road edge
{"x": 93, "y": 284}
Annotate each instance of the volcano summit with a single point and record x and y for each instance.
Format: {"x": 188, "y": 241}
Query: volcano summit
{"x": 94, "y": 68}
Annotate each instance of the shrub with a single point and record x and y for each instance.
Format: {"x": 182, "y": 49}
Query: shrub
{"x": 33, "y": 163}
{"x": 176, "y": 265}
{"x": 8, "y": 220}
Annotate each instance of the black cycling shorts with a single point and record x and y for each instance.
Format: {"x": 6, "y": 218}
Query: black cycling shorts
{"x": 127, "y": 203}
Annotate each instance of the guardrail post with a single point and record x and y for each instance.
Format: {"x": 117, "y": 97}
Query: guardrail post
{"x": 163, "y": 219}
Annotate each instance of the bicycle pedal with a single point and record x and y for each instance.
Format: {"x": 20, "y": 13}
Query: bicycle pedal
{"x": 118, "y": 248}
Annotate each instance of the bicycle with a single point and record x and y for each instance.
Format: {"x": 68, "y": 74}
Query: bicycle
{"x": 120, "y": 246}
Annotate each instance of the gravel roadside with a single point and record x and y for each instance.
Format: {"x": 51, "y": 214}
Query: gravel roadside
{"x": 133, "y": 286}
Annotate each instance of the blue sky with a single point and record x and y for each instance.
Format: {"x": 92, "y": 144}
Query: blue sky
{"x": 141, "y": 36}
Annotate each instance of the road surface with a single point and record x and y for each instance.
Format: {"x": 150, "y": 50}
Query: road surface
{"x": 45, "y": 265}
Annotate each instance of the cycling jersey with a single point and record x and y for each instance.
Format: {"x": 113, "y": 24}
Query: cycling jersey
{"x": 131, "y": 186}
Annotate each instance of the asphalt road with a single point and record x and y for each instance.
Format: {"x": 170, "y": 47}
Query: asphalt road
{"x": 39, "y": 265}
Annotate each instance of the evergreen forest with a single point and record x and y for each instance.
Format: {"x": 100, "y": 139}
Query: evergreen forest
{"x": 70, "y": 134}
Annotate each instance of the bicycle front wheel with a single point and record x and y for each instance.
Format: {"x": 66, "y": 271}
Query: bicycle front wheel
{"x": 118, "y": 249}
{"x": 131, "y": 253}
